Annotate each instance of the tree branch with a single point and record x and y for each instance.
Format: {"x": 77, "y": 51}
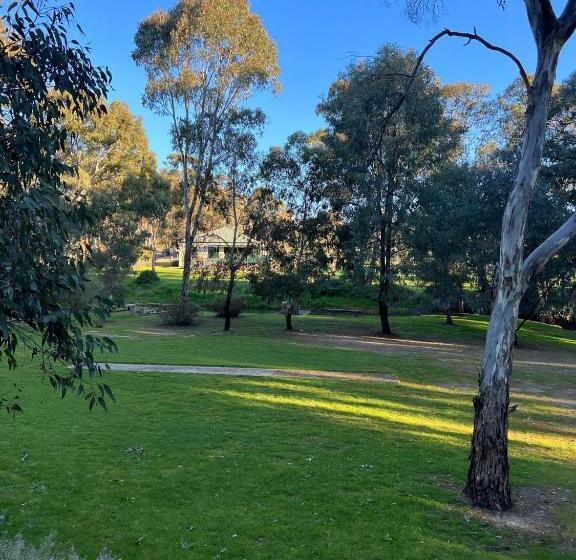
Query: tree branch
{"x": 545, "y": 251}
{"x": 567, "y": 20}
{"x": 475, "y": 37}
{"x": 445, "y": 33}
{"x": 542, "y": 18}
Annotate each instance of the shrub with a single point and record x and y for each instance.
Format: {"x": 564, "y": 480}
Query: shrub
{"x": 17, "y": 549}
{"x": 324, "y": 286}
{"x": 147, "y": 277}
{"x": 236, "y": 307}
{"x": 181, "y": 313}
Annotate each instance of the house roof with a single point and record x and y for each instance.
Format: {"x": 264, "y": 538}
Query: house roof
{"x": 222, "y": 236}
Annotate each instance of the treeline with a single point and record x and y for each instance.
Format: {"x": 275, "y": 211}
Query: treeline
{"x": 412, "y": 199}
{"x": 422, "y": 203}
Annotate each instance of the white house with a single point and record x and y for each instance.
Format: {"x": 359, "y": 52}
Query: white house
{"x": 215, "y": 245}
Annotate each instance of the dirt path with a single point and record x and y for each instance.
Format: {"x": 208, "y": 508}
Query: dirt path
{"x": 251, "y": 372}
{"x": 463, "y": 355}
{"x": 555, "y": 368}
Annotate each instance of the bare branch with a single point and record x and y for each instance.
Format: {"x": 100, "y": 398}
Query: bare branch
{"x": 544, "y": 252}
{"x": 475, "y": 37}
{"x": 410, "y": 82}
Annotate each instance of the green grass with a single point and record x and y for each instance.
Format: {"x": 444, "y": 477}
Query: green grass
{"x": 259, "y": 340}
{"x": 264, "y": 469}
{"x": 167, "y": 290}
{"x": 274, "y": 468}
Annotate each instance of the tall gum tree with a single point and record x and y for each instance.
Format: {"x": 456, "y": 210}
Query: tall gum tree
{"x": 377, "y": 173}
{"x": 203, "y": 58}
{"x": 488, "y": 482}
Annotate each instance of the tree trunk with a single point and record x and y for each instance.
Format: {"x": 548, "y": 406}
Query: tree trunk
{"x": 488, "y": 483}
{"x": 449, "y": 320}
{"x": 288, "y": 317}
{"x": 227, "y": 316}
{"x": 490, "y": 487}
{"x": 385, "y": 241}
{"x": 153, "y": 256}
{"x": 187, "y": 264}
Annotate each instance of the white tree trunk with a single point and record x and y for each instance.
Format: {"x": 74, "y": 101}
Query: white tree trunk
{"x": 488, "y": 482}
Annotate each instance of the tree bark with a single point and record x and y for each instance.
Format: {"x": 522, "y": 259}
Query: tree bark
{"x": 153, "y": 248}
{"x": 187, "y": 263}
{"x": 288, "y": 317}
{"x": 449, "y": 320}
{"x": 490, "y": 487}
{"x": 228, "y": 300}
{"x": 488, "y": 483}
{"x": 385, "y": 240}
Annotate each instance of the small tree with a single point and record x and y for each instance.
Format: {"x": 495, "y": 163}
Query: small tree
{"x": 298, "y": 239}
{"x": 246, "y": 204}
{"x": 439, "y": 227}
{"x": 376, "y": 172}
{"x": 202, "y": 59}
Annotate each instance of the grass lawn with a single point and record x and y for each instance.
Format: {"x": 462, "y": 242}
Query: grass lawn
{"x": 186, "y": 466}
{"x": 404, "y": 300}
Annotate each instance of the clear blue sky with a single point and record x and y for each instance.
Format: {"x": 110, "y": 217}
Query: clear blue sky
{"x": 316, "y": 39}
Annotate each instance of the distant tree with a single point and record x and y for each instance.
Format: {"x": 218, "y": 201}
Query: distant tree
{"x": 117, "y": 170}
{"x": 202, "y": 60}
{"x": 439, "y": 228}
{"x": 43, "y": 75}
{"x": 378, "y": 171}
{"x": 246, "y": 204}
{"x": 299, "y": 239}
{"x": 153, "y": 208}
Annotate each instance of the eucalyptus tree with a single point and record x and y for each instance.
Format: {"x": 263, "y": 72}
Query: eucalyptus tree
{"x": 202, "y": 58}
{"x": 298, "y": 239}
{"x": 488, "y": 482}
{"x": 117, "y": 171}
{"x": 437, "y": 234}
{"x": 246, "y": 204}
{"x": 43, "y": 75}
{"x": 378, "y": 171}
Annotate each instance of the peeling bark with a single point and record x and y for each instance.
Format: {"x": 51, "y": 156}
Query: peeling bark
{"x": 488, "y": 483}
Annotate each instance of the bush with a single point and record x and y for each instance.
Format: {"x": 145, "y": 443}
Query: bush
{"x": 181, "y": 314}
{"x": 17, "y": 549}
{"x": 147, "y": 277}
{"x": 236, "y": 307}
{"x": 324, "y": 286}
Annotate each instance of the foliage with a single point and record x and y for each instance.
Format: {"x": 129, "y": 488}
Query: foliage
{"x": 202, "y": 59}
{"x": 182, "y": 313}
{"x": 275, "y": 287}
{"x": 126, "y": 196}
{"x": 147, "y": 277}
{"x": 298, "y": 236}
{"x": 237, "y": 306}
{"x": 45, "y": 75}
{"x": 439, "y": 227}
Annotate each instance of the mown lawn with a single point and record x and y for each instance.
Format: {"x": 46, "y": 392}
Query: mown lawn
{"x": 405, "y": 299}
{"x": 187, "y": 466}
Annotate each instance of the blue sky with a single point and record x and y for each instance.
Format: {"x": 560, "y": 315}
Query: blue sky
{"x": 318, "y": 38}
